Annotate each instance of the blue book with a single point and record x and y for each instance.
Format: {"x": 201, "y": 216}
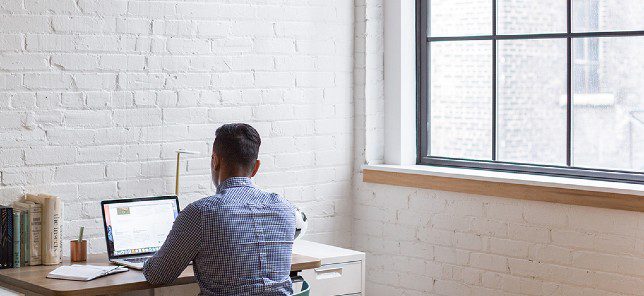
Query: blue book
{"x": 16, "y": 239}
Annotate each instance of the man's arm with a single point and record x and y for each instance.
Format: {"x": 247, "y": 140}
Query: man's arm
{"x": 178, "y": 250}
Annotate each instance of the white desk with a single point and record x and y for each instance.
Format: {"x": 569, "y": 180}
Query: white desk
{"x": 342, "y": 271}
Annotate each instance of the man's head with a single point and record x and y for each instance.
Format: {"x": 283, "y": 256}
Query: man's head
{"x": 234, "y": 153}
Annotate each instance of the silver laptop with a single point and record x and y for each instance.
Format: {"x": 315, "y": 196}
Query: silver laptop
{"x": 136, "y": 228}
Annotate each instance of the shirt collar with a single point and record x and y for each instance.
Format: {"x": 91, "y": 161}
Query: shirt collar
{"x": 235, "y": 182}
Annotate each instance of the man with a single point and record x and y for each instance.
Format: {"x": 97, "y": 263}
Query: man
{"x": 239, "y": 239}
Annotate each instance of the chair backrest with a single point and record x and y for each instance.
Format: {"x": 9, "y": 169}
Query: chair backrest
{"x": 305, "y": 290}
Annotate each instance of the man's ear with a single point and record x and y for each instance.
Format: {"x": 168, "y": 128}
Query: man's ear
{"x": 256, "y": 168}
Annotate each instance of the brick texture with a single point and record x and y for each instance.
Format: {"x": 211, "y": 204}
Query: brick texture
{"x": 95, "y": 97}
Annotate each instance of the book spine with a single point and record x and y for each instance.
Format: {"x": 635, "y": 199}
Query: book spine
{"x": 60, "y": 228}
{"x": 6, "y": 237}
{"x": 16, "y": 239}
{"x": 25, "y": 237}
{"x": 51, "y": 231}
{"x": 22, "y": 234}
{"x": 34, "y": 234}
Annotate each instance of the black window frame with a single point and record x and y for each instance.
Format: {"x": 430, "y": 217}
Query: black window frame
{"x": 423, "y": 40}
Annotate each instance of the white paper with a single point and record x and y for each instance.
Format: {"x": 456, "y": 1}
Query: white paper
{"x": 83, "y": 272}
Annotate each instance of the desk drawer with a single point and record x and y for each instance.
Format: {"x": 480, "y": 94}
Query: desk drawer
{"x": 335, "y": 279}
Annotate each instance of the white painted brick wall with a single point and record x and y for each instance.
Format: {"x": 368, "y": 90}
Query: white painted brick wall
{"x": 96, "y": 95}
{"x": 424, "y": 242}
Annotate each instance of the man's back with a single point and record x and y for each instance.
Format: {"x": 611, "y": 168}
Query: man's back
{"x": 239, "y": 239}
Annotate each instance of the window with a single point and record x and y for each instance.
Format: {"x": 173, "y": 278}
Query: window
{"x": 547, "y": 87}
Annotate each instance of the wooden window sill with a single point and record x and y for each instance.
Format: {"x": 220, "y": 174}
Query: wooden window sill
{"x": 601, "y": 194}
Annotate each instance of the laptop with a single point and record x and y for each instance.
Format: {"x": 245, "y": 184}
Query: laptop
{"x": 136, "y": 228}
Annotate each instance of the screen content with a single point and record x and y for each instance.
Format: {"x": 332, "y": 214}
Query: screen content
{"x": 139, "y": 227}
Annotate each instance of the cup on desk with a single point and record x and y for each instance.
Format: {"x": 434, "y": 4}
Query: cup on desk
{"x": 78, "y": 250}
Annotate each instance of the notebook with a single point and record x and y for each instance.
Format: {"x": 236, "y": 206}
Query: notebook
{"x": 84, "y": 272}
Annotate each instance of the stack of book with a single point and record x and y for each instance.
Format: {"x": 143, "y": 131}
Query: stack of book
{"x": 31, "y": 231}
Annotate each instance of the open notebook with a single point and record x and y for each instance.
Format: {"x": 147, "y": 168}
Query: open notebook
{"x": 84, "y": 272}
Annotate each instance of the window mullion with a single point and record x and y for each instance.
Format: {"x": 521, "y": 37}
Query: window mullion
{"x": 494, "y": 83}
{"x": 569, "y": 85}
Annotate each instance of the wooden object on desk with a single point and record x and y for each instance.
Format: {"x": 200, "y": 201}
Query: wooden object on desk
{"x": 78, "y": 251}
{"x": 32, "y": 279}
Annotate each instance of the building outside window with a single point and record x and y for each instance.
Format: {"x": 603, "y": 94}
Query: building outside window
{"x": 586, "y": 51}
{"x": 549, "y": 86}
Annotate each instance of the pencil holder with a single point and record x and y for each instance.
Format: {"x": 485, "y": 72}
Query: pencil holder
{"x": 78, "y": 250}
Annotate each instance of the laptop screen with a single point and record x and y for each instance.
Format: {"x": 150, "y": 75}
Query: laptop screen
{"x": 138, "y": 226}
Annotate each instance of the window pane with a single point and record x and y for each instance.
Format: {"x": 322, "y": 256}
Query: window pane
{"x": 531, "y": 101}
{"x": 608, "y": 125}
{"x": 607, "y": 15}
{"x": 585, "y": 54}
{"x": 461, "y": 99}
{"x": 530, "y": 17}
{"x": 460, "y": 18}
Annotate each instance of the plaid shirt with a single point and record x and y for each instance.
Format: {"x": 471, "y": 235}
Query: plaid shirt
{"x": 240, "y": 241}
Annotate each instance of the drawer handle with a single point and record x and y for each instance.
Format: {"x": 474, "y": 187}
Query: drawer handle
{"x": 328, "y": 273}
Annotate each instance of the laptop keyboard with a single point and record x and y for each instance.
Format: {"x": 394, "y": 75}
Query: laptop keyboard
{"x": 137, "y": 260}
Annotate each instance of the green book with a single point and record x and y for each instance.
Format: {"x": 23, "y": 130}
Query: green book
{"x": 16, "y": 239}
{"x": 34, "y": 212}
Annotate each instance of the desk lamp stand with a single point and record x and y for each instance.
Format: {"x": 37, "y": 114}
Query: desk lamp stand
{"x": 176, "y": 180}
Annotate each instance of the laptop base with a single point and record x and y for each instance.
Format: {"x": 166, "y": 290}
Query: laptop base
{"x": 130, "y": 264}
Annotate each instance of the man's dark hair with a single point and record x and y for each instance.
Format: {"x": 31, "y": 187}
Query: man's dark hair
{"x": 238, "y": 144}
